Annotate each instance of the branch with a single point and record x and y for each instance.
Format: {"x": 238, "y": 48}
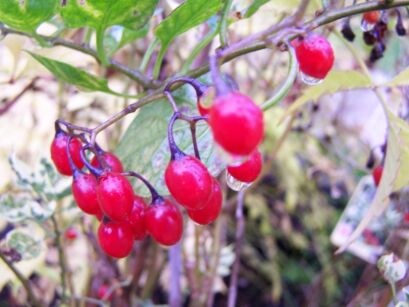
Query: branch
{"x": 56, "y": 41}
{"x": 175, "y": 262}
{"x": 4, "y": 108}
{"x": 24, "y": 281}
{"x": 237, "y": 250}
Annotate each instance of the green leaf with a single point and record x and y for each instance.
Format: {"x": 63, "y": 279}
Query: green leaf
{"x": 144, "y": 147}
{"x": 24, "y": 243}
{"x": 101, "y": 14}
{"x": 253, "y": 8}
{"x": 336, "y": 81}
{"x": 76, "y": 76}
{"x": 186, "y": 16}
{"x": 394, "y": 176}
{"x": 27, "y": 15}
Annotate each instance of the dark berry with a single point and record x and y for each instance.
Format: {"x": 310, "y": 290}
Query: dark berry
{"x": 249, "y": 170}
{"x": 137, "y": 218}
{"x": 371, "y": 17}
{"x": 377, "y": 174}
{"x": 84, "y": 189}
{"x": 211, "y": 210}
{"x": 315, "y": 56}
{"x": 164, "y": 222}
{"x": 188, "y": 181}
{"x": 115, "y": 238}
{"x": 111, "y": 160}
{"x": 115, "y": 195}
{"x": 71, "y": 233}
{"x": 237, "y": 123}
{"x": 369, "y": 37}
{"x": 59, "y": 153}
{"x": 347, "y": 32}
{"x": 377, "y": 52}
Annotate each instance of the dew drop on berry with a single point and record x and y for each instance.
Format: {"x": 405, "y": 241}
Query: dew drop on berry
{"x": 236, "y": 185}
{"x": 366, "y": 26}
{"x": 310, "y": 80}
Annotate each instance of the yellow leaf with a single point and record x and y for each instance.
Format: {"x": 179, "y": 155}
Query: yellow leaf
{"x": 400, "y": 80}
{"x": 336, "y": 81}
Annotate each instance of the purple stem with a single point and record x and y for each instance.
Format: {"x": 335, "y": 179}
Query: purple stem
{"x": 221, "y": 87}
{"x": 155, "y": 195}
{"x": 74, "y": 168}
{"x": 94, "y": 170}
{"x": 199, "y": 87}
{"x": 175, "y": 152}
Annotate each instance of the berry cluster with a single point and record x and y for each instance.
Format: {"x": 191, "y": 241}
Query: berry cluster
{"x": 101, "y": 187}
{"x": 375, "y": 27}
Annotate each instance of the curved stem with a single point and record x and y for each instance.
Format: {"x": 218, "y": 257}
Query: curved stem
{"x": 221, "y": 86}
{"x": 148, "y": 54}
{"x": 171, "y": 101}
{"x": 24, "y": 281}
{"x": 155, "y": 195}
{"x": 199, "y": 87}
{"x": 224, "y": 23}
{"x": 288, "y": 83}
{"x": 74, "y": 168}
{"x": 175, "y": 152}
{"x": 100, "y": 47}
{"x": 94, "y": 170}
{"x": 196, "y": 51}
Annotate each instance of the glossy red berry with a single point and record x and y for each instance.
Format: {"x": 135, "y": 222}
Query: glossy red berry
{"x": 237, "y": 123}
{"x": 212, "y": 209}
{"x": 164, "y": 222}
{"x": 111, "y": 160}
{"x": 115, "y": 195}
{"x": 249, "y": 170}
{"x": 137, "y": 218}
{"x": 371, "y": 17}
{"x": 103, "y": 293}
{"x": 84, "y": 189}
{"x": 59, "y": 153}
{"x": 189, "y": 181}
{"x": 71, "y": 233}
{"x": 406, "y": 217}
{"x": 315, "y": 56}
{"x": 377, "y": 174}
{"x": 115, "y": 238}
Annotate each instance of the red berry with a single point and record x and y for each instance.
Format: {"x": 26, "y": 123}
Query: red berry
{"x": 212, "y": 208}
{"x": 371, "y": 17}
{"x": 71, "y": 233}
{"x": 189, "y": 182}
{"x": 237, "y": 123}
{"x": 103, "y": 291}
{"x": 377, "y": 174}
{"x": 116, "y": 238}
{"x": 115, "y": 195}
{"x": 137, "y": 218}
{"x": 84, "y": 189}
{"x": 164, "y": 222}
{"x": 111, "y": 160}
{"x": 249, "y": 170}
{"x": 406, "y": 218}
{"x": 99, "y": 216}
{"x": 315, "y": 56}
{"x": 59, "y": 153}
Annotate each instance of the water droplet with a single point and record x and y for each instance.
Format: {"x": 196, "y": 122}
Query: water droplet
{"x": 310, "y": 80}
{"x": 235, "y": 184}
{"x": 366, "y": 26}
{"x": 228, "y": 158}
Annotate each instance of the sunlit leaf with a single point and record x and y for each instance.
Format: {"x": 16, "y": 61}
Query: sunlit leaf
{"x": 25, "y": 244}
{"x": 27, "y": 15}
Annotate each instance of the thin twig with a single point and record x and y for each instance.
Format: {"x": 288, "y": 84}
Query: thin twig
{"x": 4, "y": 108}
{"x": 56, "y": 41}
{"x": 237, "y": 250}
{"x": 25, "y": 282}
{"x": 175, "y": 262}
